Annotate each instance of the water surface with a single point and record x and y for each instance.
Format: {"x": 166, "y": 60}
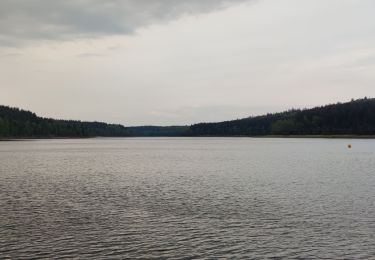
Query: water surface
{"x": 186, "y": 198}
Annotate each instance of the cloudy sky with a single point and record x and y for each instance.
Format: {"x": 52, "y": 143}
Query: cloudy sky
{"x": 169, "y": 62}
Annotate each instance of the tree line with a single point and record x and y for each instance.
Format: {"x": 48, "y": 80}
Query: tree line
{"x": 17, "y": 123}
{"x": 352, "y": 118}
{"x": 356, "y": 117}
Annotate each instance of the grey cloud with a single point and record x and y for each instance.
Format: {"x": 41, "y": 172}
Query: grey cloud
{"x": 11, "y": 55}
{"x": 89, "y": 55}
{"x": 26, "y": 20}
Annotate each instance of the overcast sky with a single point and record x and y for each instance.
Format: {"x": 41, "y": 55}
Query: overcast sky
{"x": 170, "y": 62}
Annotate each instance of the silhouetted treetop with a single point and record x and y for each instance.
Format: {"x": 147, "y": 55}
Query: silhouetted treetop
{"x": 353, "y": 118}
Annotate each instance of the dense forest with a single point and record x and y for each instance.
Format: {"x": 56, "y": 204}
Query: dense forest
{"x": 16, "y": 123}
{"x": 159, "y": 131}
{"x": 353, "y": 118}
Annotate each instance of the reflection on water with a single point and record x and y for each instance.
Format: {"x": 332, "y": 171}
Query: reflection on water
{"x": 187, "y": 198}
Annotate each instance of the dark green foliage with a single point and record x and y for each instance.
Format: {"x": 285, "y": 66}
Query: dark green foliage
{"x": 16, "y": 123}
{"x": 159, "y": 131}
{"x": 353, "y": 118}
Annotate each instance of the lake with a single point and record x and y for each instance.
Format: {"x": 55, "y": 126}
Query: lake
{"x": 185, "y": 198}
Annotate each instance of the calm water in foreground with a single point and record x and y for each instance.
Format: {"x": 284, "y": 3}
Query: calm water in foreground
{"x": 187, "y": 198}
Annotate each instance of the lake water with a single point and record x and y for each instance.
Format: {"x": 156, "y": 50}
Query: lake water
{"x": 186, "y": 198}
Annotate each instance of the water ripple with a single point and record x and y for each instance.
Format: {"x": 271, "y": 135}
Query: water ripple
{"x": 183, "y": 198}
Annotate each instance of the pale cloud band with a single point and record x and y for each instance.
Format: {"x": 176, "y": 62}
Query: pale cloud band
{"x": 22, "y": 21}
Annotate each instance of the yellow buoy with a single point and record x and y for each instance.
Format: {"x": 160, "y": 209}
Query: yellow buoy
{"x": 349, "y": 146}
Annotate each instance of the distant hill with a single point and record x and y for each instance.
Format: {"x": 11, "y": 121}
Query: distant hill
{"x": 159, "y": 131}
{"x": 16, "y": 123}
{"x": 353, "y": 118}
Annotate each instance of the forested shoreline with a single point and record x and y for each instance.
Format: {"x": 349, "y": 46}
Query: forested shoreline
{"x": 17, "y": 123}
{"x": 354, "y": 118}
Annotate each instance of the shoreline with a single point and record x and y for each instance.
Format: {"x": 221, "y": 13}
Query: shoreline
{"x": 208, "y": 136}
